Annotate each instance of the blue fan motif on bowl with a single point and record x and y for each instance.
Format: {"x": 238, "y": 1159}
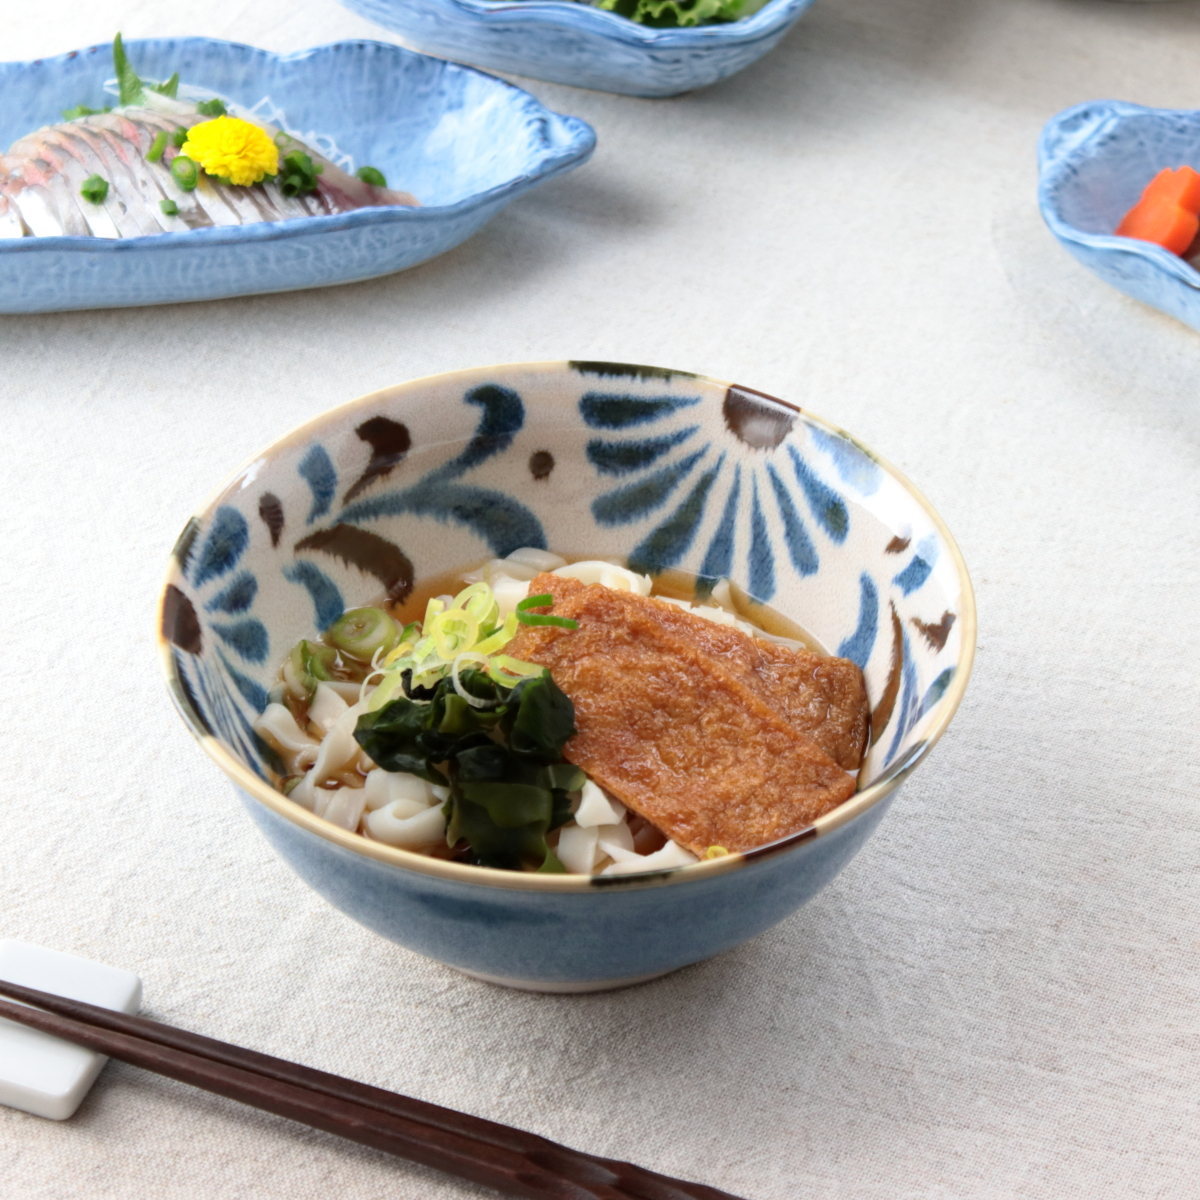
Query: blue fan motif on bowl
{"x": 673, "y": 469}
{"x": 766, "y": 493}
{"x": 213, "y": 563}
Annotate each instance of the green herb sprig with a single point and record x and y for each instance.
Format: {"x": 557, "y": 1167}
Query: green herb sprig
{"x": 131, "y": 88}
{"x": 82, "y": 110}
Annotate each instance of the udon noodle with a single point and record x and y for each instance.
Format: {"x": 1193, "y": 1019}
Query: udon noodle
{"x": 322, "y": 695}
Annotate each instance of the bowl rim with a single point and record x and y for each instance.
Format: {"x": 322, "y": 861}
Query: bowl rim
{"x": 1059, "y": 161}
{"x": 550, "y": 159}
{"x": 488, "y": 877}
{"x": 610, "y": 26}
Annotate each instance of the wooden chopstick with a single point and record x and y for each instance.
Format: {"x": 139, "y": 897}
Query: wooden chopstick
{"x": 485, "y": 1152}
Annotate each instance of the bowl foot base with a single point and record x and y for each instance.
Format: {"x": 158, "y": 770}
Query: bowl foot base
{"x": 563, "y": 987}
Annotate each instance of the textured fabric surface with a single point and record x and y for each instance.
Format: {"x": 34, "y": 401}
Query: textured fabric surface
{"x": 1000, "y": 996}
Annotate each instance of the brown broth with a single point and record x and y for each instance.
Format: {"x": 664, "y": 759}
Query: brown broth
{"x": 671, "y": 584}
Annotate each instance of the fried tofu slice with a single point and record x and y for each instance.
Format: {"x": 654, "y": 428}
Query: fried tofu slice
{"x": 687, "y": 726}
{"x": 817, "y": 694}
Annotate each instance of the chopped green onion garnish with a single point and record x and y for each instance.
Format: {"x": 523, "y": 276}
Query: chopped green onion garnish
{"x": 211, "y": 108}
{"x": 94, "y": 189}
{"x": 298, "y": 174}
{"x": 168, "y": 87}
{"x": 185, "y": 172}
{"x": 157, "y": 147}
{"x": 308, "y": 664}
{"x": 364, "y": 632}
{"x": 372, "y": 176}
{"x": 179, "y": 137}
{"x": 531, "y": 618}
{"x": 169, "y": 207}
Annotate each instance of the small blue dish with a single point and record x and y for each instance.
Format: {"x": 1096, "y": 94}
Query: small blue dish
{"x": 669, "y": 469}
{"x": 584, "y": 46}
{"x": 464, "y": 143}
{"x": 1094, "y": 161}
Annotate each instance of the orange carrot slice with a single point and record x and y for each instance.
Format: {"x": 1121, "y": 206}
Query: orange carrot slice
{"x": 1168, "y": 213}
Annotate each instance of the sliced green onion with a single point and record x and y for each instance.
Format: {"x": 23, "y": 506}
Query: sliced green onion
{"x": 453, "y": 633}
{"x": 531, "y": 618}
{"x": 169, "y": 207}
{"x": 464, "y": 630}
{"x": 298, "y": 174}
{"x": 211, "y": 108}
{"x": 94, "y": 189}
{"x": 463, "y": 660}
{"x": 371, "y": 175}
{"x": 157, "y": 147}
{"x": 364, "y": 632}
{"x": 308, "y": 664}
{"x": 179, "y": 137}
{"x": 495, "y": 639}
{"x": 480, "y": 601}
{"x": 387, "y": 690}
{"x": 185, "y": 172}
{"x": 506, "y": 670}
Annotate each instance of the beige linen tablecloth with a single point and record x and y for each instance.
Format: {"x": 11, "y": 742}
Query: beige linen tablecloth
{"x": 1001, "y": 995}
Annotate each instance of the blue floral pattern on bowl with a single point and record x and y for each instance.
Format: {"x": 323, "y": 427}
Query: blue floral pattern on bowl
{"x": 668, "y": 469}
{"x": 382, "y": 105}
{"x": 577, "y": 44}
{"x": 1094, "y": 161}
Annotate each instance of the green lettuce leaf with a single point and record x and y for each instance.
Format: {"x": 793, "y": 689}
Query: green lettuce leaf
{"x": 670, "y": 13}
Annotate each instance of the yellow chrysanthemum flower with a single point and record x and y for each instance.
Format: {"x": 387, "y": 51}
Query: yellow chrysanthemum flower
{"x": 232, "y": 149}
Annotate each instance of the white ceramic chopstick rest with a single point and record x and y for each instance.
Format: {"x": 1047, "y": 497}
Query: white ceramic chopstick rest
{"x": 42, "y": 1074}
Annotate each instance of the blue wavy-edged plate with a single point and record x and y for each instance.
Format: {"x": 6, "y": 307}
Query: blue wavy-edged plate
{"x": 1094, "y": 161}
{"x": 464, "y": 143}
{"x": 572, "y": 43}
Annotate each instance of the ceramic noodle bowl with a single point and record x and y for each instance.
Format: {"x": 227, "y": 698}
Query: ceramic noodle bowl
{"x": 665, "y": 469}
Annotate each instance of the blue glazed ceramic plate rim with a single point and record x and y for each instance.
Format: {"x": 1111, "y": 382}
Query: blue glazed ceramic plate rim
{"x": 251, "y": 785}
{"x": 1054, "y": 168}
{"x": 562, "y": 14}
{"x": 582, "y": 143}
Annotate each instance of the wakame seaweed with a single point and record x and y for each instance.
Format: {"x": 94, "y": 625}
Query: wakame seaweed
{"x": 502, "y": 762}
